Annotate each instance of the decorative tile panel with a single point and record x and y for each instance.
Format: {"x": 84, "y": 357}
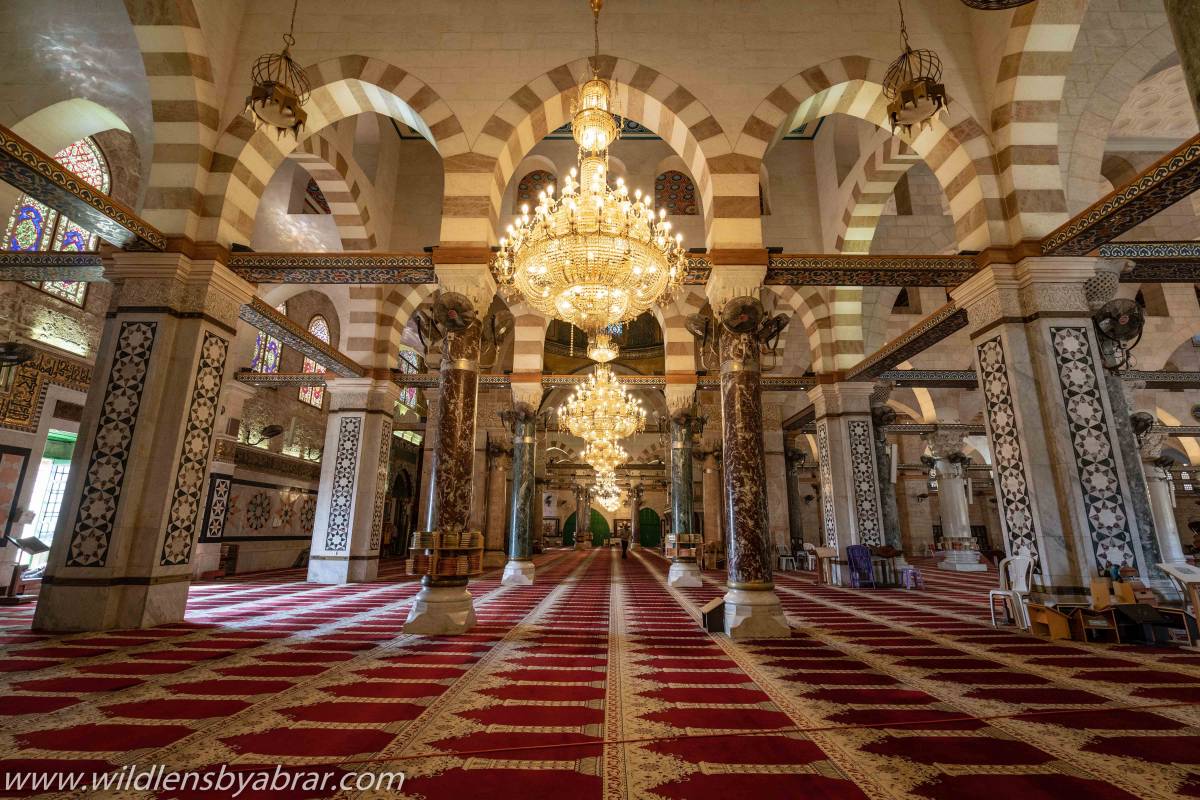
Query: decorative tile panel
{"x": 866, "y": 489}
{"x": 219, "y": 487}
{"x": 1092, "y": 442}
{"x": 341, "y": 501}
{"x": 1012, "y": 485}
{"x": 193, "y": 460}
{"x": 826, "y": 468}
{"x": 381, "y": 484}
{"x": 105, "y": 474}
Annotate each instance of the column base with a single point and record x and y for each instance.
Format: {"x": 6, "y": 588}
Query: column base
{"x": 583, "y": 545}
{"x": 518, "y": 573}
{"x": 440, "y": 610}
{"x": 66, "y": 609}
{"x": 962, "y": 561}
{"x": 340, "y": 569}
{"x": 754, "y": 615}
{"x": 494, "y": 558}
{"x": 206, "y": 559}
{"x": 684, "y": 575}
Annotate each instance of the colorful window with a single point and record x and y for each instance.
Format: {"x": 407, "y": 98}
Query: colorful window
{"x": 410, "y": 364}
{"x": 267, "y": 349}
{"x": 675, "y": 192}
{"x": 315, "y": 395}
{"x": 532, "y": 184}
{"x": 34, "y": 226}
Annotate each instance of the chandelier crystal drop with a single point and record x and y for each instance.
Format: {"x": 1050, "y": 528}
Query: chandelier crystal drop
{"x": 913, "y": 86}
{"x": 280, "y": 89}
{"x": 605, "y": 456}
{"x": 606, "y": 492}
{"x": 602, "y": 409}
{"x": 592, "y": 255}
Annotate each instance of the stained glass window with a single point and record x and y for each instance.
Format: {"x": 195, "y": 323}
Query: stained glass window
{"x": 409, "y": 365}
{"x": 268, "y": 349}
{"x": 33, "y": 226}
{"x": 315, "y": 395}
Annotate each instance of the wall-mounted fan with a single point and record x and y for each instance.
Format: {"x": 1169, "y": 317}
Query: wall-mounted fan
{"x": 454, "y": 312}
{"x": 742, "y": 315}
{"x": 1119, "y": 323}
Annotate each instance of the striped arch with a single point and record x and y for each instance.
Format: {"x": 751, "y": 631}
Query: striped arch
{"x": 475, "y": 185}
{"x": 958, "y": 153}
{"x": 375, "y": 323}
{"x": 679, "y": 346}
{"x": 185, "y": 107}
{"x": 832, "y": 321}
{"x": 345, "y": 189}
{"x": 1029, "y": 92}
{"x": 344, "y": 87}
{"x": 878, "y": 302}
{"x": 877, "y": 174}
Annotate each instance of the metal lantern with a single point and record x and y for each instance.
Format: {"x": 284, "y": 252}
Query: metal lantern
{"x": 280, "y": 89}
{"x": 913, "y": 86}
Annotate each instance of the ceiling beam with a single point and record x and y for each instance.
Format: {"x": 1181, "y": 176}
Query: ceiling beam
{"x": 1164, "y": 183}
{"x": 38, "y": 175}
{"x": 260, "y": 315}
{"x": 920, "y": 337}
{"x": 50, "y": 266}
{"x": 1157, "y": 262}
{"x": 364, "y": 267}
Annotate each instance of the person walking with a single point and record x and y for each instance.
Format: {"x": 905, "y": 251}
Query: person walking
{"x": 624, "y": 546}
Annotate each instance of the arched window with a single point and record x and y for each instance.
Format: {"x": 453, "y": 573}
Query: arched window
{"x": 531, "y": 184}
{"x": 314, "y": 199}
{"x": 675, "y": 192}
{"x": 315, "y": 395}
{"x": 34, "y": 226}
{"x": 268, "y": 349}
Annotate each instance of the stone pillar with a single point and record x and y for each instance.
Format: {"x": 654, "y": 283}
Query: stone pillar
{"x": 777, "y": 479}
{"x": 444, "y": 606}
{"x": 710, "y": 488}
{"x": 499, "y": 463}
{"x": 583, "y": 518}
{"x": 220, "y": 474}
{"x": 121, "y": 556}
{"x": 1162, "y": 497}
{"x": 685, "y": 571}
{"x": 889, "y": 511}
{"x": 519, "y": 570}
{"x": 846, "y": 454}
{"x": 752, "y": 609}
{"x": 636, "y": 493}
{"x": 795, "y": 461}
{"x": 354, "y": 480}
{"x": 1184, "y": 18}
{"x": 1057, "y": 462}
{"x": 946, "y": 445}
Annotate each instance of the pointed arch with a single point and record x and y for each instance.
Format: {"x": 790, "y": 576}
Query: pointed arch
{"x": 876, "y": 176}
{"x": 476, "y": 184}
{"x": 345, "y": 188}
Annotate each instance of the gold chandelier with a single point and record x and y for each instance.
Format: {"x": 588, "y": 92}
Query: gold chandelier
{"x": 605, "y": 455}
{"x": 602, "y": 409}
{"x": 606, "y": 492}
{"x": 593, "y": 256}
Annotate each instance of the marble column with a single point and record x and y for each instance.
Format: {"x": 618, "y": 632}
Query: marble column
{"x": 775, "y": 458}
{"x": 795, "y": 461}
{"x": 354, "y": 480}
{"x": 1058, "y": 463}
{"x": 122, "y": 551}
{"x": 889, "y": 511}
{"x": 583, "y": 518}
{"x": 710, "y": 493}
{"x": 221, "y": 466}
{"x": 499, "y": 461}
{"x": 1161, "y": 489}
{"x": 684, "y": 571}
{"x": 846, "y": 454}
{"x": 950, "y": 463}
{"x": 444, "y": 606}
{"x": 636, "y": 494}
{"x": 1184, "y": 19}
{"x": 752, "y": 609}
{"x": 519, "y": 570}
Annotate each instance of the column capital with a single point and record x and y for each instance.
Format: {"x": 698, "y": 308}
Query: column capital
{"x": 947, "y": 440}
{"x": 361, "y": 394}
{"x": 728, "y": 281}
{"x": 681, "y": 398}
{"x": 473, "y": 281}
{"x": 846, "y": 397}
{"x": 172, "y": 280}
{"x": 527, "y": 393}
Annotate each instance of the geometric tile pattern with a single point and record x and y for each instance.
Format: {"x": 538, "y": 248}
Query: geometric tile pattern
{"x": 1095, "y": 462}
{"x": 826, "y": 468}
{"x": 215, "y": 510}
{"x": 110, "y": 447}
{"x": 1012, "y": 485}
{"x": 381, "y": 484}
{"x": 193, "y": 461}
{"x": 866, "y": 492}
{"x": 341, "y": 500}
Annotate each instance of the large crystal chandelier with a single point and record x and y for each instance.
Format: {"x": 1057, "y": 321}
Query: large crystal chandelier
{"x": 602, "y": 409}
{"x": 605, "y": 456}
{"x": 606, "y": 492}
{"x": 592, "y": 256}
{"x": 913, "y": 85}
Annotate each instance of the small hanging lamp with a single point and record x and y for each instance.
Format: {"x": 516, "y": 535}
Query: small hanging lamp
{"x": 280, "y": 89}
{"x": 913, "y": 86}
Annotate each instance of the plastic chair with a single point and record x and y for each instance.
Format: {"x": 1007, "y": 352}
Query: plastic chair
{"x": 858, "y": 557}
{"x": 911, "y": 578}
{"x": 1016, "y": 572}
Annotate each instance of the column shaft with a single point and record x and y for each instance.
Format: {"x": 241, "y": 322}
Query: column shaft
{"x": 519, "y": 570}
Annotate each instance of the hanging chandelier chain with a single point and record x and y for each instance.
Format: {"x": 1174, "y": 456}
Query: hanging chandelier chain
{"x": 596, "y": 5}
{"x": 903, "y": 27}
{"x": 289, "y": 38}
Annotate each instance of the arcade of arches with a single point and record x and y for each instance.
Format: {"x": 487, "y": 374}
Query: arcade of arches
{"x": 235, "y": 422}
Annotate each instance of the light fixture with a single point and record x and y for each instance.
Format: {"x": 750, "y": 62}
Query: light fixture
{"x": 601, "y": 409}
{"x": 593, "y": 256}
{"x": 280, "y": 88}
{"x": 604, "y": 455}
{"x": 913, "y": 85}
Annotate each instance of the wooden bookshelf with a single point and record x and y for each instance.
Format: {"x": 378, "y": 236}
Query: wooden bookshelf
{"x": 446, "y": 555}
